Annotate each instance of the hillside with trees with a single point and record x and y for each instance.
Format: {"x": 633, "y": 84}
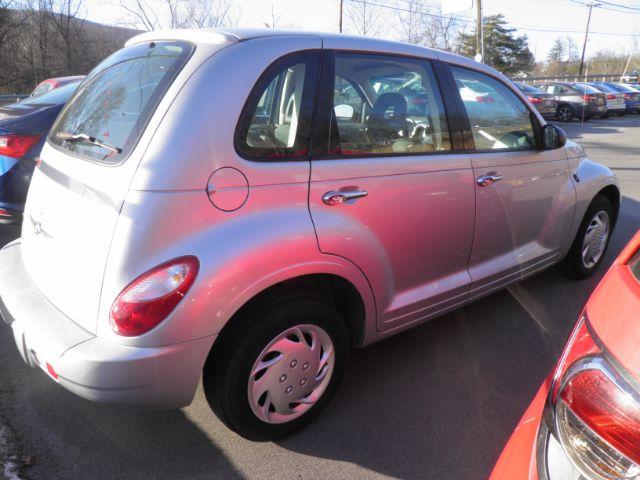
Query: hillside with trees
{"x": 50, "y": 40}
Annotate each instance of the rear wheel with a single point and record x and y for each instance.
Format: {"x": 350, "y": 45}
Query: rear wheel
{"x": 278, "y": 368}
{"x": 565, "y": 113}
{"x": 621, "y": 114}
{"x": 591, "y": 242}
{"x": 606, "y": 115}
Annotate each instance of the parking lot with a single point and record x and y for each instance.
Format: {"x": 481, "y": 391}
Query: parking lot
{"x": 439, "y": 401}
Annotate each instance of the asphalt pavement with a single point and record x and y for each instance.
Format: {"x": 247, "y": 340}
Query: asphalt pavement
{"x": 437, "y": 402}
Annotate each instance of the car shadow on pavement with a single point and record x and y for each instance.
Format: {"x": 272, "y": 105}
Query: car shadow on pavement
{"x": 441, "y": 400}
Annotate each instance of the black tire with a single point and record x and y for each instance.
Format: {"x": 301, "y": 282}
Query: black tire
{"x": 606, "y": 115}
{"x": 586, "y": 118}
{"x": 227, "y": 370}
{"x": 622, "y": 114}
{"x": 572, "y": 265}
{"x": 565, "y": 113}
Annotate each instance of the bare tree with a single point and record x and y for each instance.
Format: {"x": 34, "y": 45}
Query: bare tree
{"x": 273, "y": 21}
{"x": 158, "y": 14}
{"x": 363, "y": 17}
{"x": 411, "y": 22}
{"x": 63, "y": 16}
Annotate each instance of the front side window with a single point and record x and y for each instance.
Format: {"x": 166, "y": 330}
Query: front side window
{"x": 499, "y": 119}
{"x": 107, "y": 114}
{"x": 385, "y": 105}
{"x": 275, "y": 123}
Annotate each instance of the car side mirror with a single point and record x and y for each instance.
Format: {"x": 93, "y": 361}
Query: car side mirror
{"x": 553, "y": 137}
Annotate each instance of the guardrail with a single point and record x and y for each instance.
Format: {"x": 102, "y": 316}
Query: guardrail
{"x": 609, "y": 77}
{"x": 4, "y": 99}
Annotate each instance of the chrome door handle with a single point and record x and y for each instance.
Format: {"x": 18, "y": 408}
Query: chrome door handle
{"x": 486, "y": 180}
{"x": 337, "y": 198}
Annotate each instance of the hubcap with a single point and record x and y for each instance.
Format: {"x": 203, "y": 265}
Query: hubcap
{"x": 565, "y": 113}
{"x": 291, "y": 374}
{"x": 595, "y": 239}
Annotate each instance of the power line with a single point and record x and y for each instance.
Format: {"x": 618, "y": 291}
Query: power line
{"x": 524, "y": 27}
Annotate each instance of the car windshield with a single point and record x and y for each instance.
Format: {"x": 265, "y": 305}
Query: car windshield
{"x": 109, "y": 111}
{"x": 621, "y": 88}
{"x": 58, "y": 96}
{"x": 528, "y": 88}
{"x": 581, "y": 87}
{"x": 604, "y": 87}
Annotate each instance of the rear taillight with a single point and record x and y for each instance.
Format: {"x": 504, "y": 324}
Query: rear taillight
{"x": 485, "y": 99}
{"x": 611, "y": 96}
{"x": 628, "y": 96}
{"x": 597, "y": 414}
{"x": 149, "y": 299}
{"x": 15, "y": 146}
{"x": 535, "y": 100}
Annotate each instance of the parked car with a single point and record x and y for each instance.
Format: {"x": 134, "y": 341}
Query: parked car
{"x": 631, "y": 95}
{"x": 544, "y": 102}
{"x": 615, "y": 100}
{"x": 584, "y": 421}
{"x": 178, "y": 228}
{"x": 23, "y": 130}
{"x": 576, "y": 101}
{"x": 53, "y": 83}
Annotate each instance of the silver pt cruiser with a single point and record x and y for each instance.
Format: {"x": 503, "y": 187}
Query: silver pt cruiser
{"x": 246, "y": 206}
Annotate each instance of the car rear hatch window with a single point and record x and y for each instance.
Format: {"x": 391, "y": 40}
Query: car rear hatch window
{"x": 109, "y": 111}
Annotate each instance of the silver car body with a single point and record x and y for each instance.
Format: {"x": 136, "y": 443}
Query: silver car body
{"x": 424, "y": 241}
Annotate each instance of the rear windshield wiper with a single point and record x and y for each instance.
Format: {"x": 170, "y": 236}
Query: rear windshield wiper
{"x": 83, "y": 137}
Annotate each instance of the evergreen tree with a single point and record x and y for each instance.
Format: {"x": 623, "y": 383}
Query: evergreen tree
{"x": 503, "y": 50}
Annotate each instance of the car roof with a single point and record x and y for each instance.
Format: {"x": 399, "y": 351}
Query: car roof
{"x": 330, "y": 40}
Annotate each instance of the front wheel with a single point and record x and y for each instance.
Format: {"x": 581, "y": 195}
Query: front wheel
{"x": 279, "y": 368}
{"x": 591, "y": 242}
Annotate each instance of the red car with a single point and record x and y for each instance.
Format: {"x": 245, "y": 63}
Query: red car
{"x": 53, "y": 83}
{"x": 584, "y": 422}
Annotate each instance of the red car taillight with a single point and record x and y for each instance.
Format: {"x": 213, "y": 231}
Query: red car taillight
{"x": 485, "y": 99}
{"x": 149, "y": 299}
{"x": 611, "y": 96}
{"x": 535, "y": 100}
{"x": 597, "y": 414}
{"x": 15, "y": 146}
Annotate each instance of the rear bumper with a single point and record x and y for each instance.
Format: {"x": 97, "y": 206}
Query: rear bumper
{"x": 91, "y": 367}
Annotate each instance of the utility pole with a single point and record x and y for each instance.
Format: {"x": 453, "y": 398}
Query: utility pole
{"x": 340, "y": 20}
{"x": 479, "y": 33}
{"x": 586, "y": 38}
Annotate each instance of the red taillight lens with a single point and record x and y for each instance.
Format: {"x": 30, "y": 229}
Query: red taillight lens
{"x": 611, "y": 96}
{"x": 611, "y": 413}
{"x": 15, "y": 146}
{"x": 485, "y": 99}
{"x": 149, "y": 299}
{"x": 535, "y": 100}
{"x": 597, "y": 418}
{"x": 628, "y": 96}
{"x": 51, "y": 371}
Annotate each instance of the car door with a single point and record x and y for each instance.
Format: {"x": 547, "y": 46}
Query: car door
{"x": 387, "y": 190}
{"x": 524, "y": 195}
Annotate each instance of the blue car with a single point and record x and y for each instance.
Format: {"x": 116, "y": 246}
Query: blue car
{"x": 23, "y": 130}
{"x": 631, "y": 95}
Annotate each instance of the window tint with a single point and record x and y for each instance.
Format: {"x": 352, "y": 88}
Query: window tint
{"x": 582, "y": 88}
{"x": 40, "y": 89}
{"x": 499, "y": 119}
{"x": 386, "y": 105}
{"x": 276, "y": 120}
{"x": 117, "y": 98}
{"x": 528, "y": 88}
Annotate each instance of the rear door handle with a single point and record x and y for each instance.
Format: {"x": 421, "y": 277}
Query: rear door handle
{"x": 337, "y": 198}
{"x": 486, "y": 180}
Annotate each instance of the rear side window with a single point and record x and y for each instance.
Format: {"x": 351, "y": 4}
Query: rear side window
{"x": 499, "y": 119}
{"x": 108, "y": 113}
{"x": 384, "y": 105}
{"x": 276, "y": 120}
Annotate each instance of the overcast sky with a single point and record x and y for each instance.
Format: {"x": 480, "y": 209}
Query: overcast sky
{"x": 541, "y": 20}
